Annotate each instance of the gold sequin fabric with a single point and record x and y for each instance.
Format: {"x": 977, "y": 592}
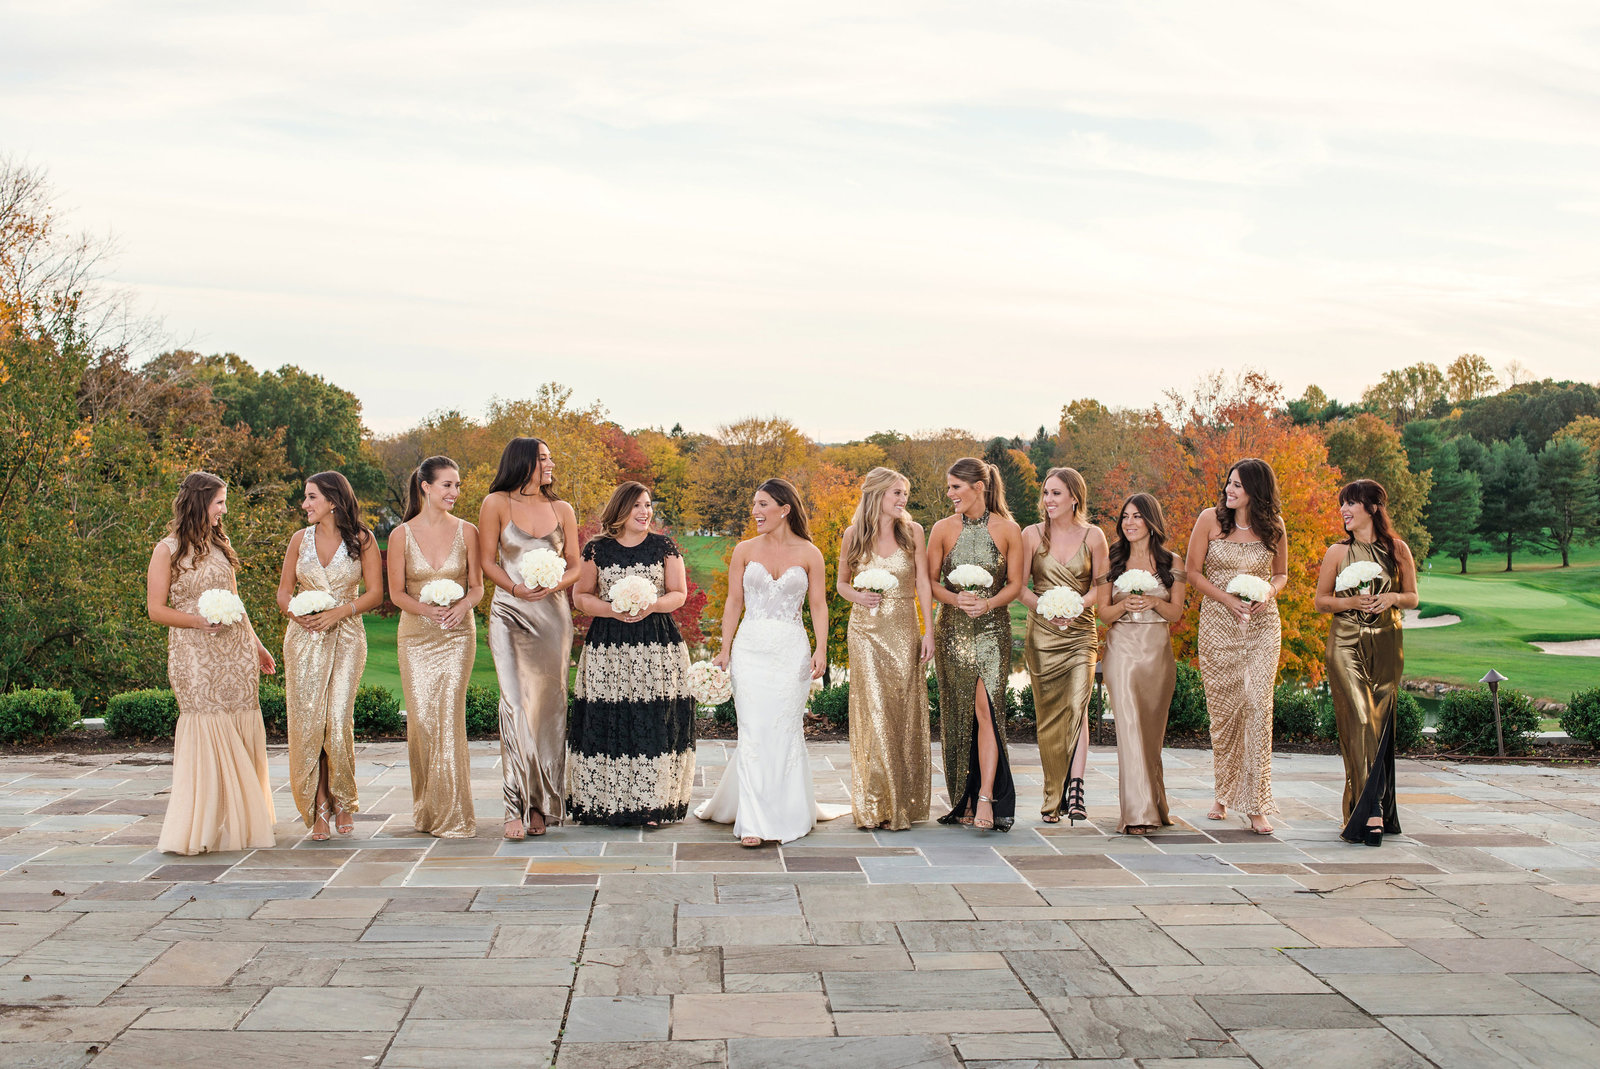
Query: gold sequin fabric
{"x": 1140, "y": 673}
{"x": 435, "y": 665}
{"x": 321, "y": 673}
{"x": 1060, "y": 664}
{"x": 1238, "y": 666}
{"x": 969, "y": 653}
{"x": 890, "y": 754}
{"x": 532, "y": 646}
{"x": 1365, "y": 663}
{"x": 221, "y": 799}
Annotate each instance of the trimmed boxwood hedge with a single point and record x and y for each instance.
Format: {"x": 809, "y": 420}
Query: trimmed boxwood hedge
{"x": 1466, "y": 721}
{"x": 142, "y": 714}
{"x": 34, "y": 715}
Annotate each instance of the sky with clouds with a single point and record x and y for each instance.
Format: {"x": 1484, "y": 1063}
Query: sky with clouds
{"x": 857, "y": 215}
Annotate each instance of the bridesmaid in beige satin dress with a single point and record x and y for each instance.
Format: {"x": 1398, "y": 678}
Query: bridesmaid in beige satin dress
{"x": 530, "y": 631}
{"x": 324, "y": 653}
{"x": 436, "y": 646}
{"x": 1140, "y": 671}
{"x": 220, "y": 799}
{"x": 1365, "y": 657}
{"x": 1065, "y": 549}
{"x": 890, "y": 751}
{"x": 1240, "y": 641}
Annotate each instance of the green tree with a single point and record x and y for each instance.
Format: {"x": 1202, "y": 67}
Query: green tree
{"x": 1405, "y": 394}
{"x": 1368, "y": 448}
{"x": 1513, "y": 510}
{"x": 1533, "y": 411}
{"x": 727, "y": 470}
{"x": 1469, "y": 377}
{"x": 1040, "y": 450}
{"x": 1567, "y": 488}
{"x": 1022, "y": 485}
{"x": 1456, "y": 503}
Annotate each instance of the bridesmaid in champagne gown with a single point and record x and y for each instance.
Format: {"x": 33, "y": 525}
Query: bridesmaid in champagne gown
{"x": 1140, "y": 671}
{"x": 220, "y": 799}
{"x": 1064, "y": 550}
{"x": 436, "y": 646}
{"x": 1240, "y": 641}
{"x": 972, "y": 644}
{"x": 1366, "y": 658}
{"x": 324, "y": 653}
{"x": 530, "y": 632}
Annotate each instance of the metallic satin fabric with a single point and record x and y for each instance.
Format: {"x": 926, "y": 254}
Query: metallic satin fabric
{"x": 968, "y": 652}
{"x": 220, "y": 799}
{"x": 890, "y": 754}
{"x": 321, "y": 672}
{"x": 434, "y": 667}
{"x": 1365, "y": 663}
{"x": 1238, "y": 666}
{"x": 1139, "y": 675}
{"x": 532, "y": 646}
{"x": 1061, "y": 667}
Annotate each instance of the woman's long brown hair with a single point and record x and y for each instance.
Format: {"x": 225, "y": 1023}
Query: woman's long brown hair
{"x": 191, "y": 523}
{"x": 1370, "y": 494}
{"x": 1155, "y": 521}
{"x": 346, "y": 510}
{"x": 1266, "y": 515}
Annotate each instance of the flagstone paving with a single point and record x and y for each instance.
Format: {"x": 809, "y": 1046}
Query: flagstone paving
{"x": 1474, "y": 939}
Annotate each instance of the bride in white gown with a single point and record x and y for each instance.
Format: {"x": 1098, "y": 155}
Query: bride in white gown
{"x": 766, "y": 792}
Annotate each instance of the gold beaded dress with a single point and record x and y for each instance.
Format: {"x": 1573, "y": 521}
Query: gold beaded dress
{"x": 890, "y": 755}
{"x": 435, "y": 665}
{"x": 321, "y": 673}
{"x": 1140, "y": 674}
{"x": 1365, "y": 663}
{"x": 221, "y": 799}
{"x": 1238, "y": 667}
{"x": 969, "y": 653}
{"x": 1060, "y": 663}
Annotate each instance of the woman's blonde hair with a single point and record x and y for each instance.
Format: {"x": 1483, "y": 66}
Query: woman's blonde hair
{"x": 1077, "y": 487}
{"x": 863, "y": 538}
{"x": 972, "y": 471}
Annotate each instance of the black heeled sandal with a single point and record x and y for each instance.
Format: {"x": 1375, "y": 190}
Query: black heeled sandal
{"x": 1075, "y": 807}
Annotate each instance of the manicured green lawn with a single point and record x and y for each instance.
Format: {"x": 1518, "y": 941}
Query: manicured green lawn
{"x": 383, "y": 666}
{"x": 702, "y": 555}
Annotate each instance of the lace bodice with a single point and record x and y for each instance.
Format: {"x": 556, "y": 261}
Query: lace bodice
{"x": 766, "y": 598}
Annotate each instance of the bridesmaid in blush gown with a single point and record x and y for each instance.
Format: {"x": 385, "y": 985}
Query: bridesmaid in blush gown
{"x": 325, "y": 652}
{"x": 436, "y": 646}
{"x": 890, "y": 755}
{"x": 1365, "y": 657}
{"x": 530, "y": 631}
{"x": 1240, "y": 640}
{"x": 1139, "y": 668}
{"x": 766, "y": 792}
{"x": 220, "y": 798}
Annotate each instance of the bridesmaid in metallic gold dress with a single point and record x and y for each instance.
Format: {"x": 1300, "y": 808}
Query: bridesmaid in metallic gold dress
{"x": 220, "y": 797}
{"x": 890, "y": 753}
{"x": 530, "y": 631}
{"x": 1365, "y": 657}
{"x": 1140, "y": 671}
{"x": 1065, "y": 549}
{"x": 325, "y": 652}
{"x": 436, "y": 645}
{"x": 972, "y": 644}
{"x": 1240, "y": 640}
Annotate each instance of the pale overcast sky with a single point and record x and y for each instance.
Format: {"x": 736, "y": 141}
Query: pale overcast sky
{"x": 857, "y": 215}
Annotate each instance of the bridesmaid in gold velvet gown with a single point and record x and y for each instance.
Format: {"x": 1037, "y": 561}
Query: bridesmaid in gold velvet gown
{"x": 220, "y": 799}
{"x": 1065, "y": 549}
{"x": 890, "y": 754}
{"x": 1240, "y": 641}
{"x": 530, "y": 632}
{"x": 1365, "y": 657}
{"x": 972, "y": 644}
{"x": 324, "y": 653}
{"x": 436, "y": 646}
{"x": 1140, "y": 671}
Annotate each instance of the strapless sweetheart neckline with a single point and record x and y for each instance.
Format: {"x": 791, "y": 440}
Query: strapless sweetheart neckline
{"x": 770, "y": 577}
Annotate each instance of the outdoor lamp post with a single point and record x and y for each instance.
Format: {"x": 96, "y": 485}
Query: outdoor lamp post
{"x": 1494, "y": 679}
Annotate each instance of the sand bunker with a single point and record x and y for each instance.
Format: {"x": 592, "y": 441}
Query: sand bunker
{"x": 1583, "y": 647}
{"x": 1410, "y": 619}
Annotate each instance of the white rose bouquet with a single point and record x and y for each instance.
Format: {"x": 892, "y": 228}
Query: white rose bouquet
{"x": 543, "y": 568}
{"x": 971, "y": 577}
{"x": 1059, "y": 603}
{"x": 219, "y": 606}
{"x": 1137, "y": 581}
{"x": 632, "y": 595}
{"x": 1250, "y": 588}
{"x": 441, "y": 592}
{"x": 709, "y": 684}
{"x": 1357, "y": 575}
{"x": 876, "y": 580}
{"x": 310, "y": 602}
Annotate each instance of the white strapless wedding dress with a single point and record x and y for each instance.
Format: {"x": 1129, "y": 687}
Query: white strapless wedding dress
{"x": 766, "y": 791}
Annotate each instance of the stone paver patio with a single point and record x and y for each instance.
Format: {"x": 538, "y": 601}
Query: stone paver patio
{"x": 1472, "y": 940}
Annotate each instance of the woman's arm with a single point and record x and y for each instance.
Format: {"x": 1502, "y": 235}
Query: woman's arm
{"x": 157, "y": 585}
{"x": 938, "y": 547}
{"x": 1280, "y": 576}
{"x": 677, "y": 584}
{"x": 1016, "y": 567}
{"x": 817, "y": 594}
{"x": 491, "y": 521}
{"x": 397, "y": 577}
{"x": 569, "y": 545}
{"x": 732, "y": 606}
{"x": 286, "y": 577}
{"x": 456, "y": 614}
{"x": 1099, "y": 565}
{"x": 1031, "y": 538}
{"x": 584, "y": 592}
{"x": 1326, "y": 600}
{"x": 1171, "y": 610}
{"x": 867, "y": 598}
{"x": 264, "y": 658}
{"x": 924, "y": 593}
{"x": 1405, "y": 596}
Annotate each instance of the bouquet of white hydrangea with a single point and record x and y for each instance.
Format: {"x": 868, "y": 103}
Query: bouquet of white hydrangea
{"x": 876, "y": 580}
{"x": 220, "y": 606}
{"x": 543, "y": 569}
{"x": 309, "y": 602}
{"x": 441, "y": 592}
{"x": 1137, "y": 581}
{"x": 709, "y": 684}
{"x": 632, "y": 595}
{"x": 1358, "y": 574}
{"x": 971, "y": 577}
{"x": 1250, "y": 588}
{"x": 1059, "y": 603}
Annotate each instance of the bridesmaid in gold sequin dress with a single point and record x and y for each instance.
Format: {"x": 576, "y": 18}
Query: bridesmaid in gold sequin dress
{"x": 1365, "y": 657}
{"x": 220, "y": 797}
{"x": 1240, "y": 640}
{"x": 1140, "y": 670}
{"x": 972, "y": 644}
{"x": 324, "y": 653}
{"x": 890, "y": 754}
{"x": 1063, "y": 550}
{"x": 530, "y": 632}
{"x": 436, "y": 645}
